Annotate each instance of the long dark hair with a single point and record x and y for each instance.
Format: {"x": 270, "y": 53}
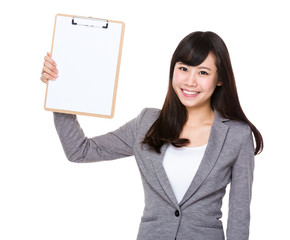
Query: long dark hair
{"x": 193, "y": 50}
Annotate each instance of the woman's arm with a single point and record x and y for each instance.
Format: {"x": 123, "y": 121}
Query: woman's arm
{"x": 79, "y": 148}
{"x": 241, "y": 189}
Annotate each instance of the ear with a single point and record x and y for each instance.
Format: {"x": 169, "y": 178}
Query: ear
{"x": 219, "y": 83}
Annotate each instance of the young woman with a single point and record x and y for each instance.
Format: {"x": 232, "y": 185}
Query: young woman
{"x": 187, "y": 152}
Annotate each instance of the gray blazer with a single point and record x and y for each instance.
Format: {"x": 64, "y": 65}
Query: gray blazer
{"x": 229, "y": 157}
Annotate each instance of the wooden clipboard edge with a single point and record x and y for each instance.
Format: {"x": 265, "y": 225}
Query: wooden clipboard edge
{"x": 79, "y": 113}
{"x": 116, "y": 77}
{"x": 118, "y": 65}
{"x": 51, "y": 51}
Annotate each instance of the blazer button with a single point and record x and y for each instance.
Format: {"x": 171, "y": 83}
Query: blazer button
{"x": 177, "y": 214}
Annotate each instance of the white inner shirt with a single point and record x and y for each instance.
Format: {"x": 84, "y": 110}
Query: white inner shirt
{"x": 180, "y": 165}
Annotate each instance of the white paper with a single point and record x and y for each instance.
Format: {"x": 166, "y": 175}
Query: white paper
{"x": 87, "y": 59}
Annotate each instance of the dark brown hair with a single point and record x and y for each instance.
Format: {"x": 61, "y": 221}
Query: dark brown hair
{"x": 193, "y": 50}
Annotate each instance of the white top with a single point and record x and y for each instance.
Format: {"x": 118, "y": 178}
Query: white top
{"x": 180, "y": 165}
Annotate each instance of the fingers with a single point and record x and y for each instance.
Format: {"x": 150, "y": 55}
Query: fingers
{"x": 49, "y": 70}
{"x": 48, "y": 59}
{"x": 52, "y": 71}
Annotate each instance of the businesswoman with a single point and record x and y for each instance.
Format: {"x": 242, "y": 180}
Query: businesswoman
{"x": 187, "y": 152}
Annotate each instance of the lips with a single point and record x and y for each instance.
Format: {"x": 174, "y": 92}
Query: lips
{"x": 187, "y": 92}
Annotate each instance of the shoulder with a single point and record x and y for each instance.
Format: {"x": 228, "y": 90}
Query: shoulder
{"x": 236, "y": 127}
{"x": 239, "y": 126}
{"x": 239, "y": 134}
{"x": 237, "y": 131}
{"x": 147, "y": 117}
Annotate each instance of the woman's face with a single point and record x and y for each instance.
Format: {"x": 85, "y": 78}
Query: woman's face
{"x": 194, "y": 85}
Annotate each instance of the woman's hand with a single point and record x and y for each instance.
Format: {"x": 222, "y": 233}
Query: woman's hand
{"x": 49, "y": 70}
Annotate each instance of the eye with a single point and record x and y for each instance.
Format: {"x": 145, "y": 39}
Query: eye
{"x": 183, "y": 69}
{"x": 203, "y": 73}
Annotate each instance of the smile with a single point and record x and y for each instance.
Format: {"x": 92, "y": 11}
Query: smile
{"x": 189, "y": 92}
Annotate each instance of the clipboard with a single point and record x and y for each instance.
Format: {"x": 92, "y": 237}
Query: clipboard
{"x": 87, "y": 52}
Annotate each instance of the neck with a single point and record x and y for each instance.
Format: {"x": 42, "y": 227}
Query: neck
{"x": 200, "y": 116}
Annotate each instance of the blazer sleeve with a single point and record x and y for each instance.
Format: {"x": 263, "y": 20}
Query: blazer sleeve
{"x": 79, "y": 148}
{"x": 240, "y": 191}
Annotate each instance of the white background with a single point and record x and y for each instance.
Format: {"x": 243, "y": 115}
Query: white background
{"x": 44, "y": 196}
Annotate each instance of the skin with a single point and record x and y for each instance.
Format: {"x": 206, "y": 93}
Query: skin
{"x": 194, "y": 86}
{"x": 49, "y": 70}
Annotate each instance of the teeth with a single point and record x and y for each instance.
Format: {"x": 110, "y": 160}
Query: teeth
{"x": 188, "y": 92}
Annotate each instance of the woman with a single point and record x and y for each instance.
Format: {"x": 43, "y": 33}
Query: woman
{"x": 187, "y": 152}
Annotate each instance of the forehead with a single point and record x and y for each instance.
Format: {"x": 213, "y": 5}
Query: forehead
{"x": 209, "y": 62}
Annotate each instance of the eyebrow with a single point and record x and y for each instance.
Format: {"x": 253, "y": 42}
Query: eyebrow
{"x": 199, "y": 67}
{"x": 203, "y": 67}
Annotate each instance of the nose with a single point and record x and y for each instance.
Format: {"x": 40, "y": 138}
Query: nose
{"x": 192, "y": 80}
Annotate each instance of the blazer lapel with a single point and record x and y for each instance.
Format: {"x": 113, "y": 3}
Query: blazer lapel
{"x": 162, "y": 176}
{"x": 216, "y": 140}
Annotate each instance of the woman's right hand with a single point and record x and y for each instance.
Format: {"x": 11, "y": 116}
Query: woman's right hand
{"x": 49, "y": 70}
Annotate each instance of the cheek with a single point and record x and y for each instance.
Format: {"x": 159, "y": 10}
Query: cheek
{"x": 210, "y": 85}
{"x": 176, "y": 79}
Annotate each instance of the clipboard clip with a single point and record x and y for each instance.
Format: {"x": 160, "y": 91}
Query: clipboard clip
{"x": 90, "y": 22}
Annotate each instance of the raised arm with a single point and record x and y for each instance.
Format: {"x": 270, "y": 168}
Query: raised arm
{"x": 79, "y": 148}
